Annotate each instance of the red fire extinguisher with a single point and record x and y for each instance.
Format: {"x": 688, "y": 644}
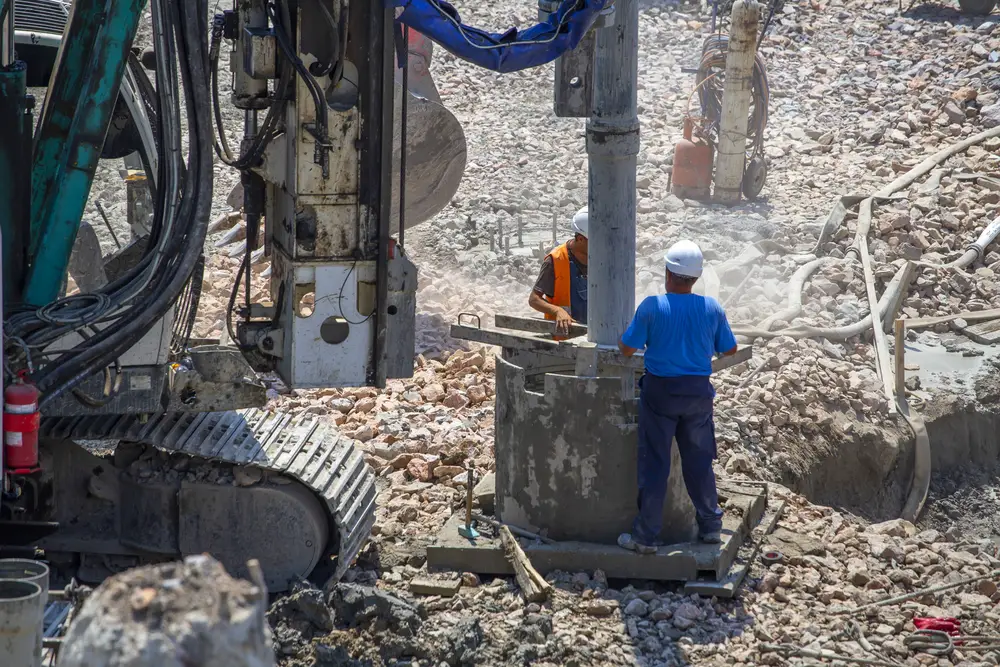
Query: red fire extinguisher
{"x": 21, "y": 420}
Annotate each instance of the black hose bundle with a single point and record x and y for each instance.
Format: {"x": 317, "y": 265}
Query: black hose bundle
{"x": 272, "y": 125}
{"x": 711, "y": 75}
{"x": 129, "y": 306}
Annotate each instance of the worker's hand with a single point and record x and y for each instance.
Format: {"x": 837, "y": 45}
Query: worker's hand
{"x": 563, "y": 321}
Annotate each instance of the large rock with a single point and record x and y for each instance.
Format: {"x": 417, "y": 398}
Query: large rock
{"x": 794, "y": 545}
{"x": 990, "y": 115}
{"x": 356, "y": 605}
{"x": 172, "y": 615}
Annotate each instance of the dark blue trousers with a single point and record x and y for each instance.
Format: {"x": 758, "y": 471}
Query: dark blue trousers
{"x": 681, "y": 408}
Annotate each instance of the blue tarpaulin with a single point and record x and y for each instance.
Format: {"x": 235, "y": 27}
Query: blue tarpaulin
{"x": 510, "y": 51}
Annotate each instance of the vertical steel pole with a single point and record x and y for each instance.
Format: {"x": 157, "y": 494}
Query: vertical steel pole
{"x": 612, "y": 147}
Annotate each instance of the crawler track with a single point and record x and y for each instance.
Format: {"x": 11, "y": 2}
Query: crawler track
{"x": 314, "y": 454}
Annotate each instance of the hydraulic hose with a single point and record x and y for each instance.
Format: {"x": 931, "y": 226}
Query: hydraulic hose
{"x": 188, "y": 18}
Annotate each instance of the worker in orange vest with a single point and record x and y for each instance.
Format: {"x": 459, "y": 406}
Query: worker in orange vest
{"x": 560, "y": 293}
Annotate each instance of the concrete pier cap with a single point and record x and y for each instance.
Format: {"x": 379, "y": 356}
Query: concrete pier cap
{"x": 566, "y": 454}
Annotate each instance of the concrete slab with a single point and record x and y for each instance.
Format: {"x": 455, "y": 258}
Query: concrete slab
{"x": 744, "y": 506}
{"x": 486, "y": 556}
{"x": 726, "y": 586}
{"x": 444, "y": 587}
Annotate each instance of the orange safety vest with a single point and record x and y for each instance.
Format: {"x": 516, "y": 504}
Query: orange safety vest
{"x": 560, "y": 290}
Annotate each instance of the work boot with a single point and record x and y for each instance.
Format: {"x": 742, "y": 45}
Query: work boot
{"x": 625, "y": 541}
{"x": 714, "y": 537}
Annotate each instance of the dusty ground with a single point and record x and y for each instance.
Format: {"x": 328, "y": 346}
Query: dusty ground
{"x": 858, "y": 95}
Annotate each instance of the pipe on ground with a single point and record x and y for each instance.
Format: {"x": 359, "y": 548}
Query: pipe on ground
{"x": 26, "y": 569}
{"x": 21, "y": 610}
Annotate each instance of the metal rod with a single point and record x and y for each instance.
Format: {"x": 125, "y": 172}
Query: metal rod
{"x": 107, "y": 223}
{"x": 900, "y": 354}
{"x": 521, "y": 532}
{"x": 612, "y": 147}
{"x": 520, "y": 231}
{"x": 469, "y": 472}
{"x": 404, "y": 103}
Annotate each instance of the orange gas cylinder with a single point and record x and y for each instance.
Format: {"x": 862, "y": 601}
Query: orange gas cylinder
{"x": 692, "y": 174}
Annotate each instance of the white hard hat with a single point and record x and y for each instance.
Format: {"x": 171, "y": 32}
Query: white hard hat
{"x": 684, "y": 259}
{"x": 580, "y": 222}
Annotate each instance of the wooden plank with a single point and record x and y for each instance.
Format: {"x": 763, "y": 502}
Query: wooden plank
{"x": 881, "y": 345}
{"x": 978, "y": 316}
{"x": 533, "y": 586}
{"x": 900, "y": 354}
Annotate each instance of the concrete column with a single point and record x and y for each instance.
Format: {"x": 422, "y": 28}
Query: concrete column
{"x": 612, "y": 146}
{"x": 736, "y": 93}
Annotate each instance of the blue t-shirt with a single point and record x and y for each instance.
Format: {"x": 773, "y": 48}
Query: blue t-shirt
{"x": 681, "y": 334}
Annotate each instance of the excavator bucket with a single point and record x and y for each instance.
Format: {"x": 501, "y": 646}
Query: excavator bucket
{"x": 435, "y": 142}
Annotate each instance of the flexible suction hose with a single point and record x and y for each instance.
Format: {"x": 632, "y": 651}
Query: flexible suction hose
{"x": 976, "y": 250}
{"x": 887, "y": 304}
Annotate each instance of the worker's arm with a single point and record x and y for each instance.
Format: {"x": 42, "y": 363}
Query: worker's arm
{"x": 635, "y": 334}
{"x": 563, "y": 319}
{"x": 724, "y": 338}
{"x": 546, "y": 285}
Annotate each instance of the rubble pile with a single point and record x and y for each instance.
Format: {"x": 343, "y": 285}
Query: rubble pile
{"x": 831, "y": 565}
{"x": 171, "y": 615}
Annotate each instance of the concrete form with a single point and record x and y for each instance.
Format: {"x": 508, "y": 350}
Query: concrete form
{"x": 700, "y": 564}
{"x": 566, "y": 456}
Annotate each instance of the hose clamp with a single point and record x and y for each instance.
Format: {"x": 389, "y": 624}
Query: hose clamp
{"x": 546, "y": 8}
{"x": 606, "y": 18}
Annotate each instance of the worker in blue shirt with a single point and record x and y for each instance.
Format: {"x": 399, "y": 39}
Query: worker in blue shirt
{"x": 680, "y": 332}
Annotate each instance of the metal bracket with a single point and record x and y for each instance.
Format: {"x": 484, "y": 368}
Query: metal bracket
{"x": 272, "y": 342}
{"x": 260, "y": 53}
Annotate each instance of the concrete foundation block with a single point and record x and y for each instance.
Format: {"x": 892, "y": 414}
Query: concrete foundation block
{"x": 705, "y": 567}
{"x": 486, "y": 556}
{"x": 566, "y": 456}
